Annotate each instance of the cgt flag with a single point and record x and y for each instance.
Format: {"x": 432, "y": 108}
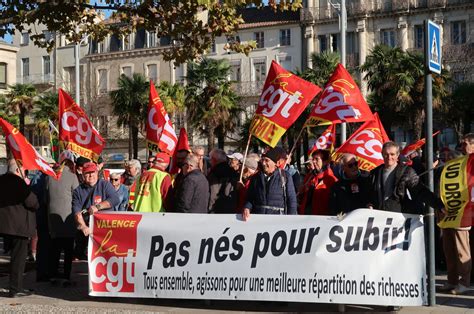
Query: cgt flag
{"x": 285, "y": 96}
{"x": 23, "y": 151}
{"x": 341, "y": 101}
{"x": 326, "y": 140}
{"x": 76, "y": 131}
{"x": 410, "y": 149}
{"x": 457, "y": 192}
{"x": 366, "y": 143}
{"x": 160, "y": 134}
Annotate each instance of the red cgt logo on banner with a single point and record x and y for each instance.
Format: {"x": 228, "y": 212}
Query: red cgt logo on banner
{"x": 76, "y": 132}
{"x": 366, "y": 143}
{"x": 326, "y": 140}
{"x": 113, "y": 253}
{"x": 341, "y": 101}
{"x": 160, "y": 134}
{"x": 23, "y": 151}
{"x": 285, "y": 96}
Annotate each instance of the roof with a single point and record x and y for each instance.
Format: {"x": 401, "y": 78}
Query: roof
{"x": 266, "y": 16}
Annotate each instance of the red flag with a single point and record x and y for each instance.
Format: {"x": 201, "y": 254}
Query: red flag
{"x": 285, "y": 96}
{"x": 326, "y": 140}
{"x": 160, "y": 134}
{"x": 341, "y": 101}
{"x": 23, "y": 152}
{"x": 183, "y": 144}
{"x": 76, "y": 132}
{"x": 366, "y": 143}
{"x": 409, "y": 149}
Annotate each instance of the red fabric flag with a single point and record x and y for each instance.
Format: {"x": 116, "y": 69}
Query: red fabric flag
{"x": 23, "y": 151}
{"x": 76, "y": 131}
{"x": 160, "y": 134}
{"x": 326, "y": 140}
{"x": 183, "y": 144}
{"x": 366, "y": 143}
{"x": 409, "y": 149}
{"x": 341, "y": 101}
{"x": 285, "y": 96}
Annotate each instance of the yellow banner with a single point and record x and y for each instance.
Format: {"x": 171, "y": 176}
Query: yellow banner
{"x": 152, "y": 146}
{"x": 81, "y": 151}
{"x": 454, "y": 192}
{"x": 266, "y": 130}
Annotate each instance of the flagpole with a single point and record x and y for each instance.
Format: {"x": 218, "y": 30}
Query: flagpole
{"x": 294, "y": 146}
{"x": 245, "y": 157}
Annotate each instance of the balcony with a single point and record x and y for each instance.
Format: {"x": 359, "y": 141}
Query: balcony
{"x": 37, "y": 79}
{"x": 249, "y": 88}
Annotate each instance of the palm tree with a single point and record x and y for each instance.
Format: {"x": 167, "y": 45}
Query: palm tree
{"x": 457, "y": 109}
{"x": 398, "y": 87}
{"x": 173, "y": 97}
{"x": 20, "y": 101}
{"x": 129, "y": 103}
{"x": 46, "y": 108}
{"x": 211, "y": 102}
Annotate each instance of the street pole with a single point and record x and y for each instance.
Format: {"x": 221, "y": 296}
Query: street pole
{"x": 429, "y": 164}
{"x": 76, "y": 56}
{"x": 343, "y": 16}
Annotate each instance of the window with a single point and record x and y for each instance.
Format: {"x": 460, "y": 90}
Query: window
{"x": 25, "y": 39}
{"x": 3, "y": 75}
{"x": 69, "y": 83}
{"x": 323, "y": 44}
{"x": 46, "y": 65}
{"x": 101, "y": 47}
{"x": 127, "y": 71}
{"x": 151, "y": 39}
{"x": 458, "y": 32}
{"x": 351, "y": 43}
{"x": 25, "y": 67}
{"x": 418, "y": 37}
{"x": 102, "y": 123}
{"x": 260, "y": 39}
{"x": 335, "y": 42}
{"x": 285, "y": 62}
{"x": 260, "y": 70}
{"x": 152, "y": 70}
{"x": 236, "y": 73}
{"x": 285, "y": 37}
{"x": 387, "y": 37}
{"x": 213, "y": 47}
{"x": 48, "y": 36}
{"x": 102, "y": 81}
{"x": 127, "y": 42}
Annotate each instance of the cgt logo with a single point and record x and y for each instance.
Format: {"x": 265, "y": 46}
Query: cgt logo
{"x": 114, "y": 245}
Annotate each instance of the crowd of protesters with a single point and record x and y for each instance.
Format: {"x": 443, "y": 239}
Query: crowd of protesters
{"x": 218, "y": 184}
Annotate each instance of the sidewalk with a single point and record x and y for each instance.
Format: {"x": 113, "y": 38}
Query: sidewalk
{"x": 75, "y": 299}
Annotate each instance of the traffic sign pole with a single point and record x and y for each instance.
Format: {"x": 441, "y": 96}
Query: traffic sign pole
{"x": 433, "y": 64}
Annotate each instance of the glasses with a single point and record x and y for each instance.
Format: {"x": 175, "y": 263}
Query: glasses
{"x": 114, "y": 179}
{"x": 352, "y": 164}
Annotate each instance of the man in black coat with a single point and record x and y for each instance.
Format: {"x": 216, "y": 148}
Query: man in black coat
{"x": 18, "y": 221}
{"x": 193, "y": 193}
{"x": 397, "y": 187}
{"x": 223, "y": 180}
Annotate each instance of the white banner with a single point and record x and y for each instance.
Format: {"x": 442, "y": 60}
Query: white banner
{"x": 369, "y": 257}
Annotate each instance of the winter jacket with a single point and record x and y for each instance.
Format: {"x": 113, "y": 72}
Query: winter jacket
{"x": 193, "y": 194}
{"x": 223, "y": 195}
{"x": 349, "y": 194}
{"x": 407, "y": 194}
{"x": 17, "y": 207}
{"x": 265, "y": 194}
{"x": 315, "y": 198}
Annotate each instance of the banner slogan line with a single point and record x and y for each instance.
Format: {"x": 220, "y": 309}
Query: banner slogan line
{"x": 288, "y": 258}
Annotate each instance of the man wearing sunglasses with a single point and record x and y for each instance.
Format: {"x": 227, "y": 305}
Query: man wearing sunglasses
{"x": 352, "y": 191}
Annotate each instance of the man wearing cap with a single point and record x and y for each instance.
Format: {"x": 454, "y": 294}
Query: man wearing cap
{"x": 193, "y": 193}
{"x": 222, "y": 184}
{"x": 250, "y": 169}
{"x": 235, "y": 161}
{"x": 151, "y": 193}
{"x": 271, "y": 190}
{"x": 91, "y": 196}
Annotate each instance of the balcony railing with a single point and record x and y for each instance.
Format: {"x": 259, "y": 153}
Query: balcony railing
{"x": 361, "y": 7}
{"x": 37, "y": 79}
{"x": 248, "y": 89}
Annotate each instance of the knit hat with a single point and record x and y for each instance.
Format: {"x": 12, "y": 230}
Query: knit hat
{"x": 251, "y": 164}
{"x": 276, "y": 154}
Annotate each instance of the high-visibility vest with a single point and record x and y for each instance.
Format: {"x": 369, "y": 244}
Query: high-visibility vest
{"x": 146, "y": 192}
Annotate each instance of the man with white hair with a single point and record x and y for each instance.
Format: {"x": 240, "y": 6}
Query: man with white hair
{"x": 223, "y": 180}
{"x": 133, "y": 169}
{"x": 18, "y": 221}
{"x": 193, "y": 193}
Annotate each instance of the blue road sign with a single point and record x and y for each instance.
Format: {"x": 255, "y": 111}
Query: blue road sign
{"x": 433, "y": 49}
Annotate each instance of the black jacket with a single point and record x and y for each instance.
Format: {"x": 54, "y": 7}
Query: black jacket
{"x": 17, "y": 207}
{"x": 400, "y": 201}
{"x": 347, "y": 195}
{"x": 223, "y": 195}
{"x": 193, "y": 194}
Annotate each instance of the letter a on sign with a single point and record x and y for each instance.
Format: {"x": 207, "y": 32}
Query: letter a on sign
{"x": 285, "y": 96}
